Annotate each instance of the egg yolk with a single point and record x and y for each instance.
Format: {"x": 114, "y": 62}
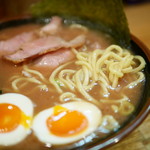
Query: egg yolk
{"x": 66, "y": 122}
{"x": 11, "y": 116}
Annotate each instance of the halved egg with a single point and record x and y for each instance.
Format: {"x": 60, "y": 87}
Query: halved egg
{"x": 16, "y": 112}
{"x": 66, "y": 123}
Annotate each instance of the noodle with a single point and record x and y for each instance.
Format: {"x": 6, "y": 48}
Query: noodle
{"x": 16, "y": 81}
{"x": 102, "y": 67}
{"x": 28, "y": 73}
{"x": 81, "y": 89}
{"x": 142, "y": 64}
{"x": 52, "y": 77}
{"x": 68, "y": 82}
{"x": 125, "y": 107}
{"x": 67, "y": 96}
{"x": 125, "y": 98}
{"x": 109, "y": 123}
{"x": 134, "y": 83}
{"x": 34, "y": 72}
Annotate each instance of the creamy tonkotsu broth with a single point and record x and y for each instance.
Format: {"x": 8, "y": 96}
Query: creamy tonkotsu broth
{"x": 85, "y": 69}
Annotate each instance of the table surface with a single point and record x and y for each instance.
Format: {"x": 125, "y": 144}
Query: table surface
{"x": 139, "y": 23}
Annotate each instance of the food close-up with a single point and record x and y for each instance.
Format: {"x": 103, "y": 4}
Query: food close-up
{"x": 66, "y": 83}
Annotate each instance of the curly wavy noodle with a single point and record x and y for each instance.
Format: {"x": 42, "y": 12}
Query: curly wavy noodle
{"x": 28, "y": 76}
{"x": 102, "y": 67}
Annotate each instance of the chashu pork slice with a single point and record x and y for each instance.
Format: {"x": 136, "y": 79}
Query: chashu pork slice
{"x": 11, "y": 45}
{"x": 52, "y": 27}
{"x": 42, "y": 46}
{"x": 54, "y": 59}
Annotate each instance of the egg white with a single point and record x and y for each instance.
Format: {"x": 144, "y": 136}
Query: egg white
{"x": 91, "y": 112}
{"x": 18, "y": 134}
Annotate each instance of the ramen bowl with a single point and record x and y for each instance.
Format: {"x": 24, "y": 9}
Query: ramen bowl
{"x": 133, "y": 121}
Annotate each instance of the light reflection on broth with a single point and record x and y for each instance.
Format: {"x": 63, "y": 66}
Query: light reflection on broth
{"x": 47, "y": 87}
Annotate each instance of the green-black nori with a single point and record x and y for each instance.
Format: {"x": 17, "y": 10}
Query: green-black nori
{"x": 107, "y": 15}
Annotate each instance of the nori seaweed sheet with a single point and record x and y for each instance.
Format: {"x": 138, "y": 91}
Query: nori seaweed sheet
{"x": 107, "y": 15}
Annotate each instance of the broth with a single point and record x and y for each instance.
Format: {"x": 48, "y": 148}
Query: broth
{"x": 49, "y": 97}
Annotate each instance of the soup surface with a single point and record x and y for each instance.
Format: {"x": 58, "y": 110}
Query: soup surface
{"x": 72, "y": 67}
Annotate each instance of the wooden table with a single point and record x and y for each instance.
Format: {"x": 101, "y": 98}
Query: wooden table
{"x": 139, "y": 23}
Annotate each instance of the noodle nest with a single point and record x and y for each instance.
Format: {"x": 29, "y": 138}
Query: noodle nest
{"x": 99, "y": 67}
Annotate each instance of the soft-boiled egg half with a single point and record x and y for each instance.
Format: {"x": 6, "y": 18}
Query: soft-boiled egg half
{"x": 16, "y": 112}
{"x": 66, "y": 123}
